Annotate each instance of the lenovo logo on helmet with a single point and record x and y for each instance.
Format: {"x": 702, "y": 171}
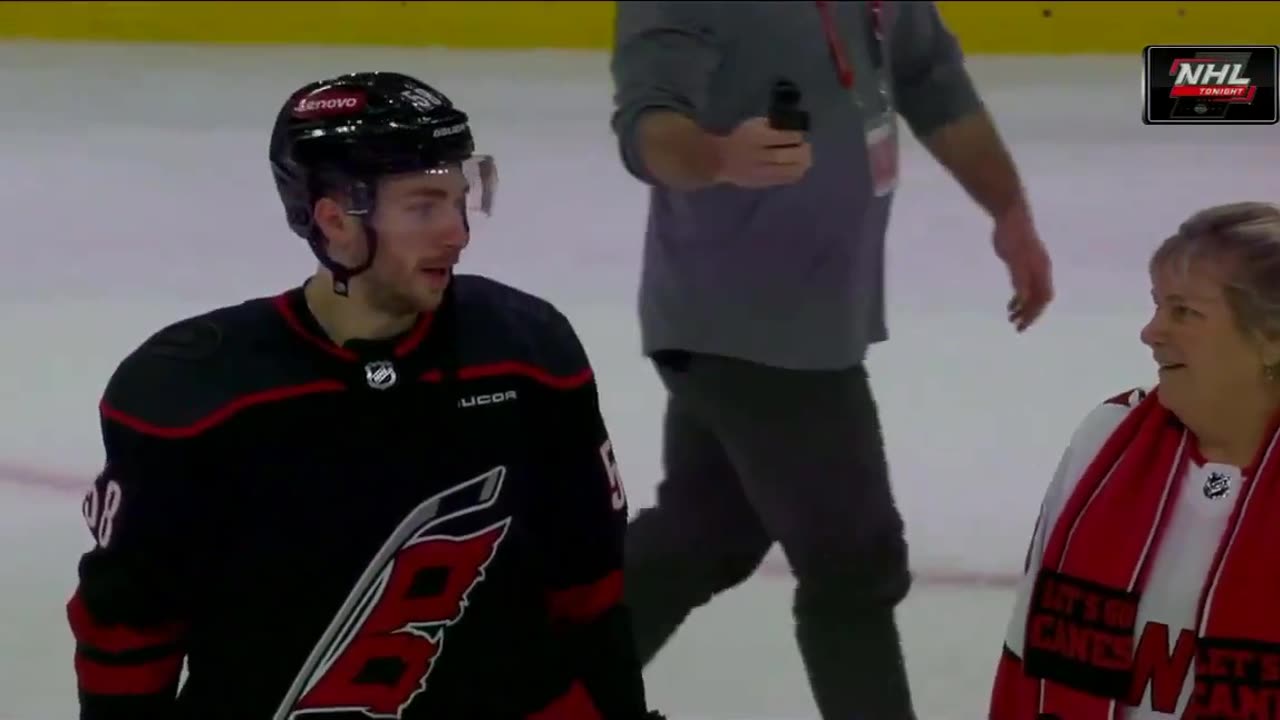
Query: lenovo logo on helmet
{"x": 329, "y": 102}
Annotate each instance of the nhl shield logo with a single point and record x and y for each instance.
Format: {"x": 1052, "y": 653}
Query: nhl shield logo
{"x": 380, "y": 374}
{"x": 1217, "y": 486}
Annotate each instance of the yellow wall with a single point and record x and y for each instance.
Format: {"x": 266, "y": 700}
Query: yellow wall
{"x": 983, "y": 27}
{"x": 1054, "y": 28}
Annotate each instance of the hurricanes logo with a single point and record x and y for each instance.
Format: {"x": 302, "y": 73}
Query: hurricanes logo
{"x": 378, "y": 652}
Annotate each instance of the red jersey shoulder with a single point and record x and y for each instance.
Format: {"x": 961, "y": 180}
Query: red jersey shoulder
{"x": 504, "y": 326}
{"x": 1130, "y": 398}
{"x": 192, "y": 374}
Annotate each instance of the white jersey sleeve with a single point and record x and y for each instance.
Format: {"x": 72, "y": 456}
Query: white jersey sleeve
{"x": 1089, "y": 437}
{"x": 1014, "y": 694}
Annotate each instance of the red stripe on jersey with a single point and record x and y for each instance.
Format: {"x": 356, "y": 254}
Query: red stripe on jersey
{"x": 291, "y": 319}
{"x": 1015, "y": 695}
{"x": 116, "y": 638}
{"x": 410, "y": 342}
{"x": 221, "y": 414}
{"x": 585, "y": 603}
{"x": 147, "y": 678}
{"x": 559, "y": 382}
{"x": 575, "y": 704}
{"x": 415, "y": 336}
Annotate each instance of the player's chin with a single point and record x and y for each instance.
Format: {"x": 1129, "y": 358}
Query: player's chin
{"x": 428, "y": 291}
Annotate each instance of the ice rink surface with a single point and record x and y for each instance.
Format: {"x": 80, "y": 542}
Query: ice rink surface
{"x": 135, "y": 190}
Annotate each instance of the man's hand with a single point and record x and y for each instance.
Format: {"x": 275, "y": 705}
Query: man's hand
{"x": 1018, "y": 244}
{"x": 755, "y": 155}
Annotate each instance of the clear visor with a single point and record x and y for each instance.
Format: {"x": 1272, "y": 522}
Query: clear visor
{"x": 434, "y": 199}
{"x": 481, "y": 174}
{"x": 477, "y": 177}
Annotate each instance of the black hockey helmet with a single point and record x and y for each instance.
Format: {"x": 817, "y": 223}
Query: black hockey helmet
{"x": 344, "y": 133}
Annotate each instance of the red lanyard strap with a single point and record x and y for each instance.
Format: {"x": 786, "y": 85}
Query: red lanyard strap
{"x": 843, "y": 69}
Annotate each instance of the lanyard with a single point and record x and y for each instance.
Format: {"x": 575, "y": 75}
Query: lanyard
{"x": 836, "y": 46}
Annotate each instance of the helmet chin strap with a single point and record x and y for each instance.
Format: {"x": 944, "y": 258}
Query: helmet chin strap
{"x": 362, "y": 207}
{"x": 342, "y": 274}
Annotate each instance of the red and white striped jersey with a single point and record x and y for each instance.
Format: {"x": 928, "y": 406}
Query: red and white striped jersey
{"x": 1168, "y": 611}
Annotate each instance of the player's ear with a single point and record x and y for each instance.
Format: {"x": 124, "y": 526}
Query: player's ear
{"x": 340, "y": 229}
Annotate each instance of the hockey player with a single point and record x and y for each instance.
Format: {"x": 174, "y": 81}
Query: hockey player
{"x": 385, "y": 493}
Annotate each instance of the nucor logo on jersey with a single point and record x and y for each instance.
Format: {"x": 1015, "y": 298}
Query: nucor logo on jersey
{"x": 487, "y": 399}
{"x": 329, "y": 102}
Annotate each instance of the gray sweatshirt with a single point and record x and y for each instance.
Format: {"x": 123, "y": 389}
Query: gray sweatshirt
{"x": 789, "y": 276}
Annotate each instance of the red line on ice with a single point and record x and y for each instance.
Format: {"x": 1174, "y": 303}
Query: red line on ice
{"x": 68, "y": 483}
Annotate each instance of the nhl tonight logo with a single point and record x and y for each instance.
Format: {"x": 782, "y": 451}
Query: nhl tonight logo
{"x": 1210, "y": 85}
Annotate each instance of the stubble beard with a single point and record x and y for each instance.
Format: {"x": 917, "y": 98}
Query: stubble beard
{"x": 388, "y": 299}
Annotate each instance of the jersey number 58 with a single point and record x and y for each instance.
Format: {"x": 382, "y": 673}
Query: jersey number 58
{"x": 100, "y": 507}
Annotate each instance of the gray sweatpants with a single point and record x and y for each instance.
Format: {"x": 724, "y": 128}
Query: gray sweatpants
{"x": 755, "y": 455}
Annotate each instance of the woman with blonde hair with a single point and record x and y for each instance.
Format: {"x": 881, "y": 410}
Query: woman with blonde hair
{"x": 1152, "y": 585}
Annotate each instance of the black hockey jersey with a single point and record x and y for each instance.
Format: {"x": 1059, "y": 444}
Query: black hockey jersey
{"x": 428, "y": 526}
